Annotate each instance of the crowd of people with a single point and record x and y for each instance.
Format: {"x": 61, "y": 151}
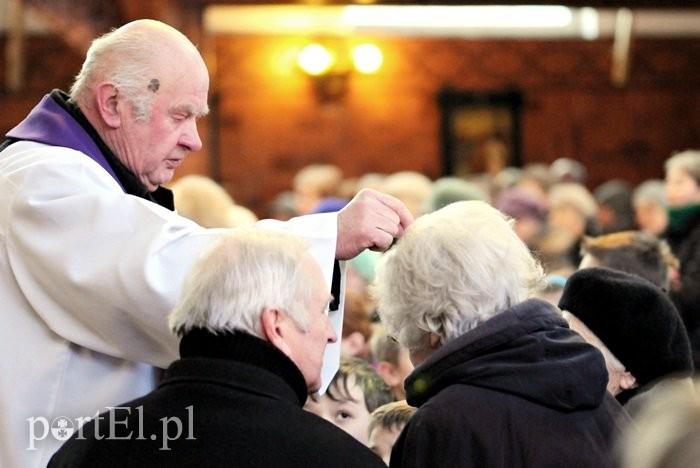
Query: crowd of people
{"x": 614, "y": 267}
{"x": 507, "y": 320}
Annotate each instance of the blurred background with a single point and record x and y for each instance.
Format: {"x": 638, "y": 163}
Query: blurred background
{"x": 410, "y": 86}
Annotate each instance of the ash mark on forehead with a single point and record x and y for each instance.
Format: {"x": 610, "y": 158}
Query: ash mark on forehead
{"x": 154, "y": 85}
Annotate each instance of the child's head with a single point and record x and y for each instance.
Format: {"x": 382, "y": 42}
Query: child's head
{"x": 634, "y": 252}
{"x": 386, "y": 423}
{"x": 356, "y": 391}
{"x": 391, "y": 360}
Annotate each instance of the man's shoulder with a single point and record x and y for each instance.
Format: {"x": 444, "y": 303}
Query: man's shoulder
{"x": 26, "y": 150}
{"x": 28, "y": 158}
{"x": 323, "y": 430}
{"x": 330, "y": 445}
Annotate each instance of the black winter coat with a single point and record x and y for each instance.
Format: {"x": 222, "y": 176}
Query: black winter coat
{"x": 520, "y": 390}
{"x": 239, "y": 401}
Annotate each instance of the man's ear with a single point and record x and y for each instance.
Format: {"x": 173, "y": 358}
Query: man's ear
{"x": 107, "y": 102}
{"x": 628, "y": 381}
{"x": 273, "y": 324}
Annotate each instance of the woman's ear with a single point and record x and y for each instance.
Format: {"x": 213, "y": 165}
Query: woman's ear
{"x": 273, "y": 323}
{"x": 430, "y": 343}
{"x": 107, "y": 102}
{"x": 387, "y": 371}
{"x": 434, "y": 340}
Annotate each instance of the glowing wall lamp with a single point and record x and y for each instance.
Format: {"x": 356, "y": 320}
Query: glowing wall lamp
{"x": 329, "y": 66}
{"x": 316, "y": 59}
{"x": 367, "y": 58}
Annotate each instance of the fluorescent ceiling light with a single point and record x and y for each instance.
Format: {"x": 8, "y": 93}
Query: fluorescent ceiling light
{"x": 385, "y": 19}
{"x": 590, "y": 27}
{"x": 444, "y": 21}
{"x": 450, "y": 17}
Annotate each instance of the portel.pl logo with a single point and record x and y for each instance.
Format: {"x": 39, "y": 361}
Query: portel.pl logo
{"x": 62, "y": 428}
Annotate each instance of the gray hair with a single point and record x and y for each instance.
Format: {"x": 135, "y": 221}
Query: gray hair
{"x": 412, "y": 188}
{"x": 202, "y": 200}
{"x": 653, "y": 190}
{"x": 453, "y": 269}
{"x": 239, "y": 276}
{"x": 321, "y": 178}
{"x": 125, "y": 56}
{"x": 574, "y": 195}
{"x": 688, "y": 160}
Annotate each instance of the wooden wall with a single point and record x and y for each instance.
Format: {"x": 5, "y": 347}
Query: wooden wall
{"x": 267, "y": 123}
{"x": 270, "y": 123}
{"x": 49, "y": 64}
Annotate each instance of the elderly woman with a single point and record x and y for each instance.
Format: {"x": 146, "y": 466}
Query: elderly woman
{"x": 500, "y": 379}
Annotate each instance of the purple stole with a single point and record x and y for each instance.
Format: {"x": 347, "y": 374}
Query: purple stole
{"x": 50, "y": 124}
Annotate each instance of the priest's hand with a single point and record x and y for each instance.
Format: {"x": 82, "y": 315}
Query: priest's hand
{"x": 372, "y": 220}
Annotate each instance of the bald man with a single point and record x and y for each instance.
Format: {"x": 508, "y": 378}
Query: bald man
{"x": 92, "y": 256}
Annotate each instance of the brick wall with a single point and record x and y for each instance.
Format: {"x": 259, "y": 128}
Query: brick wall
{"x": 270, "y": 123}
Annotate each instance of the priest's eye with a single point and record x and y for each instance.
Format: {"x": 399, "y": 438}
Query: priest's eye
{"x": 181, "y": 116}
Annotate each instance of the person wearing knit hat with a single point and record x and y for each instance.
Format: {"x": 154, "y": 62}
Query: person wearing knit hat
{"x": 635, "y": 321}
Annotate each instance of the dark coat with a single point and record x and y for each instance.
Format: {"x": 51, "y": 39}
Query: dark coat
{"x": 685, "y": 244}
{"x": 239, "y": 406}
{"x": 520, "y": 390}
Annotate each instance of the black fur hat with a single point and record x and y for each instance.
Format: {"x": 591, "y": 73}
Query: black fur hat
{"x": 633, "y": 318}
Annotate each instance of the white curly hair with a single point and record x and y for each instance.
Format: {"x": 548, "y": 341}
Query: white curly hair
{"x": 453, "y": 269}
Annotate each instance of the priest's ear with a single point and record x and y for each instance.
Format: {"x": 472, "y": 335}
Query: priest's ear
{"x": 108, "y": 102}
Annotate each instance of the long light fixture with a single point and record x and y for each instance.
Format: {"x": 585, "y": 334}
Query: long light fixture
{"x": 457, "y": 17}
{"x": 444, "y": 21}
{"x": 482, "y": 21}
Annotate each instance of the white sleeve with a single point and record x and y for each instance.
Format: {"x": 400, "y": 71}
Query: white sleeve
{"x": 102, "y": 268}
